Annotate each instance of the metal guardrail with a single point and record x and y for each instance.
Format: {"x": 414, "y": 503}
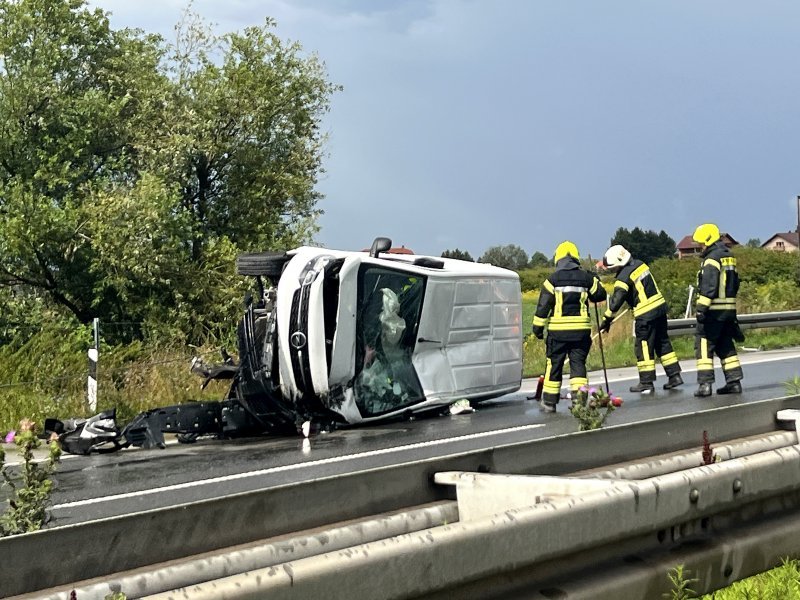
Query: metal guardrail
{"x": 751, "y": 321}
{"x": 136, "y": 540}
{"x": 510, "y": 527}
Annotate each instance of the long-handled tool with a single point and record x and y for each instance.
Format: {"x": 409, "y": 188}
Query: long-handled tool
{"x": 602, "y": 353}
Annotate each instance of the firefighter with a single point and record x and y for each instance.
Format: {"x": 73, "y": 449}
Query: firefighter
{"x": 636, "y": 286}
{"x": 564, "y": 308}
{"x": 717, "y": 326}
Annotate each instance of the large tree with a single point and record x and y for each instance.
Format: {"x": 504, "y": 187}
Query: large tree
{"x": 243, "y": 141}
{"x": 645, "y": 245}
{"x": 73, "y": 96}
{"x": 509, "y": 256}
{"x": 132, "y": 171}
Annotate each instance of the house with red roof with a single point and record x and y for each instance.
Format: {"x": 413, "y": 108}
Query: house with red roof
{"x": 688, "y": 247}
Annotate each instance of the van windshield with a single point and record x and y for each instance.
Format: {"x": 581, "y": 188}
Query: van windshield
{"x": 389, "y": 308}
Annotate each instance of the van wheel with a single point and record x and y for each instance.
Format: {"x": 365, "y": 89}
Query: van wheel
{"x": 267, "y": 264}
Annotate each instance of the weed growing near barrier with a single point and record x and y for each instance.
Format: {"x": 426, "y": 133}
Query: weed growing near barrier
{"x": 708, "y": 452}
{"x": 31, "y": 488}
{"x": 681, "y": 584}
{"x": 792, "y": 385}
{"x": 591, "y": 406}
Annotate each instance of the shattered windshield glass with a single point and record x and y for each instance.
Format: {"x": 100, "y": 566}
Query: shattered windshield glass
{"x": 389, "y": 307}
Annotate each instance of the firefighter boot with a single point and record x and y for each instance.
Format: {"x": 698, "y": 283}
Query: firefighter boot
{"x": 643, "y": 388}
{"x": 703, "y": 390}
{"x": 546, "y": 407}
{"x": 674, "y": 382}
{"x": 734, "y": 387}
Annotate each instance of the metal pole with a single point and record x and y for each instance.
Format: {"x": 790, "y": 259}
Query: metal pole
{"x": 689, "y": 302}
{"x": 91, "y": 383}
{"x": 602, "y": 352}
{"x": 798, "y": 214}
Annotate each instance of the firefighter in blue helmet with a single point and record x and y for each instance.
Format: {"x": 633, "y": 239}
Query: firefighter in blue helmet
{"x": 636, "y": 286}
{"x": 717, "y": 326}
{"x": 564, "y": 309}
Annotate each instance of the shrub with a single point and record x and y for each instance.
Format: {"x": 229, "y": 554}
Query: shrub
{"x": 591, "y": 406}
{"x": 31, "y": 489}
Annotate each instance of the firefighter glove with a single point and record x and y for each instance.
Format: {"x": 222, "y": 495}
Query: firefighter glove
{"x": 538, "y": 332}
{"x": 605, "y": 325}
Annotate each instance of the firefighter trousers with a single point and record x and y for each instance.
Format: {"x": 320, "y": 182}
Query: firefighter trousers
{"x": 557, "y": 352}
{"x": 716, "y": 337}
{"x": 652, "y": 339}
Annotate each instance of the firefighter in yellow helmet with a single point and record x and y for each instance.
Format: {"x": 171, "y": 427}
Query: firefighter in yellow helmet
{"x": 636, "y": 286}
{"x": 564, "y": 309}
{"x": 717, "y": 327}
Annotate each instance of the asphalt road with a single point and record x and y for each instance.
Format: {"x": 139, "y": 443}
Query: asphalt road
{"x": 134, "y": 479}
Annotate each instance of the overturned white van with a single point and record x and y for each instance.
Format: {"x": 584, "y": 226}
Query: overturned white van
{"x": 353, "y": 337}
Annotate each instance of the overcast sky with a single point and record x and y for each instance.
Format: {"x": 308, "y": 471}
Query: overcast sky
{"x": 469, "y": 124}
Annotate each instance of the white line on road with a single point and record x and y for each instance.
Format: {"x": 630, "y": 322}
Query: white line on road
{"x": 302, "y": 465}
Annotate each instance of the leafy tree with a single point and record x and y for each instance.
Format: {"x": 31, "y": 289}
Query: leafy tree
{"x": 539, "y": 260}
{"x": 243, "y": 142}
{"x": 753, "y": 243}
{"x": 73, "y": 96}
{"x": 645, "y": 245}
{"x": 132, "y": 171}
{"x": 458, "y": 254}
{"x": 509, "y": 256}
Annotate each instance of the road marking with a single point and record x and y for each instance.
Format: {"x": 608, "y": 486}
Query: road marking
{"x": 302, "y": 465}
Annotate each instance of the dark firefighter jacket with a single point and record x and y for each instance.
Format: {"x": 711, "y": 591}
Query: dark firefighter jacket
{"x": 564, "y": 301}
{"x": 717, "y": 283}
{"x": 636, "y": 286}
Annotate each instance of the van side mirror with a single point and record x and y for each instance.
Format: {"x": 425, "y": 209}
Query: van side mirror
{"x": 381, "y": 244}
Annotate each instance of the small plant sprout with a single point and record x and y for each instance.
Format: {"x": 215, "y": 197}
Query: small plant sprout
{"x": 708, "y": 452}
{"x": 681, "y": 590}
{"x": 792, "y": 385}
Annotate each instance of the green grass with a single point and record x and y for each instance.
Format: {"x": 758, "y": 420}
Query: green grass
{"x": 781, "y": 583}
{"x": 46, "y": 377}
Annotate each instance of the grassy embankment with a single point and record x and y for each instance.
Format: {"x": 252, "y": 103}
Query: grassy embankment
{"x": 45, "y": 376}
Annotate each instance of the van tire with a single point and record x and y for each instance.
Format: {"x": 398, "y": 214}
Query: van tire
{"x": 266, "y": 264}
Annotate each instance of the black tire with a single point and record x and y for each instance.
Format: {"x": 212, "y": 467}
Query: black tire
{"x": 267, "y": 264}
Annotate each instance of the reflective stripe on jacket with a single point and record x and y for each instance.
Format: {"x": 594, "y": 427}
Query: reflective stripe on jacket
{"x": 717, "y": 282}
{"x": 636, "y": 286}
{"x": 564, "y": 298}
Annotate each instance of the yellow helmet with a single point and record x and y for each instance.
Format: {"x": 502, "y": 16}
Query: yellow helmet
{"x": 566, "y": 249}
{"x": 706, "y": 234}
